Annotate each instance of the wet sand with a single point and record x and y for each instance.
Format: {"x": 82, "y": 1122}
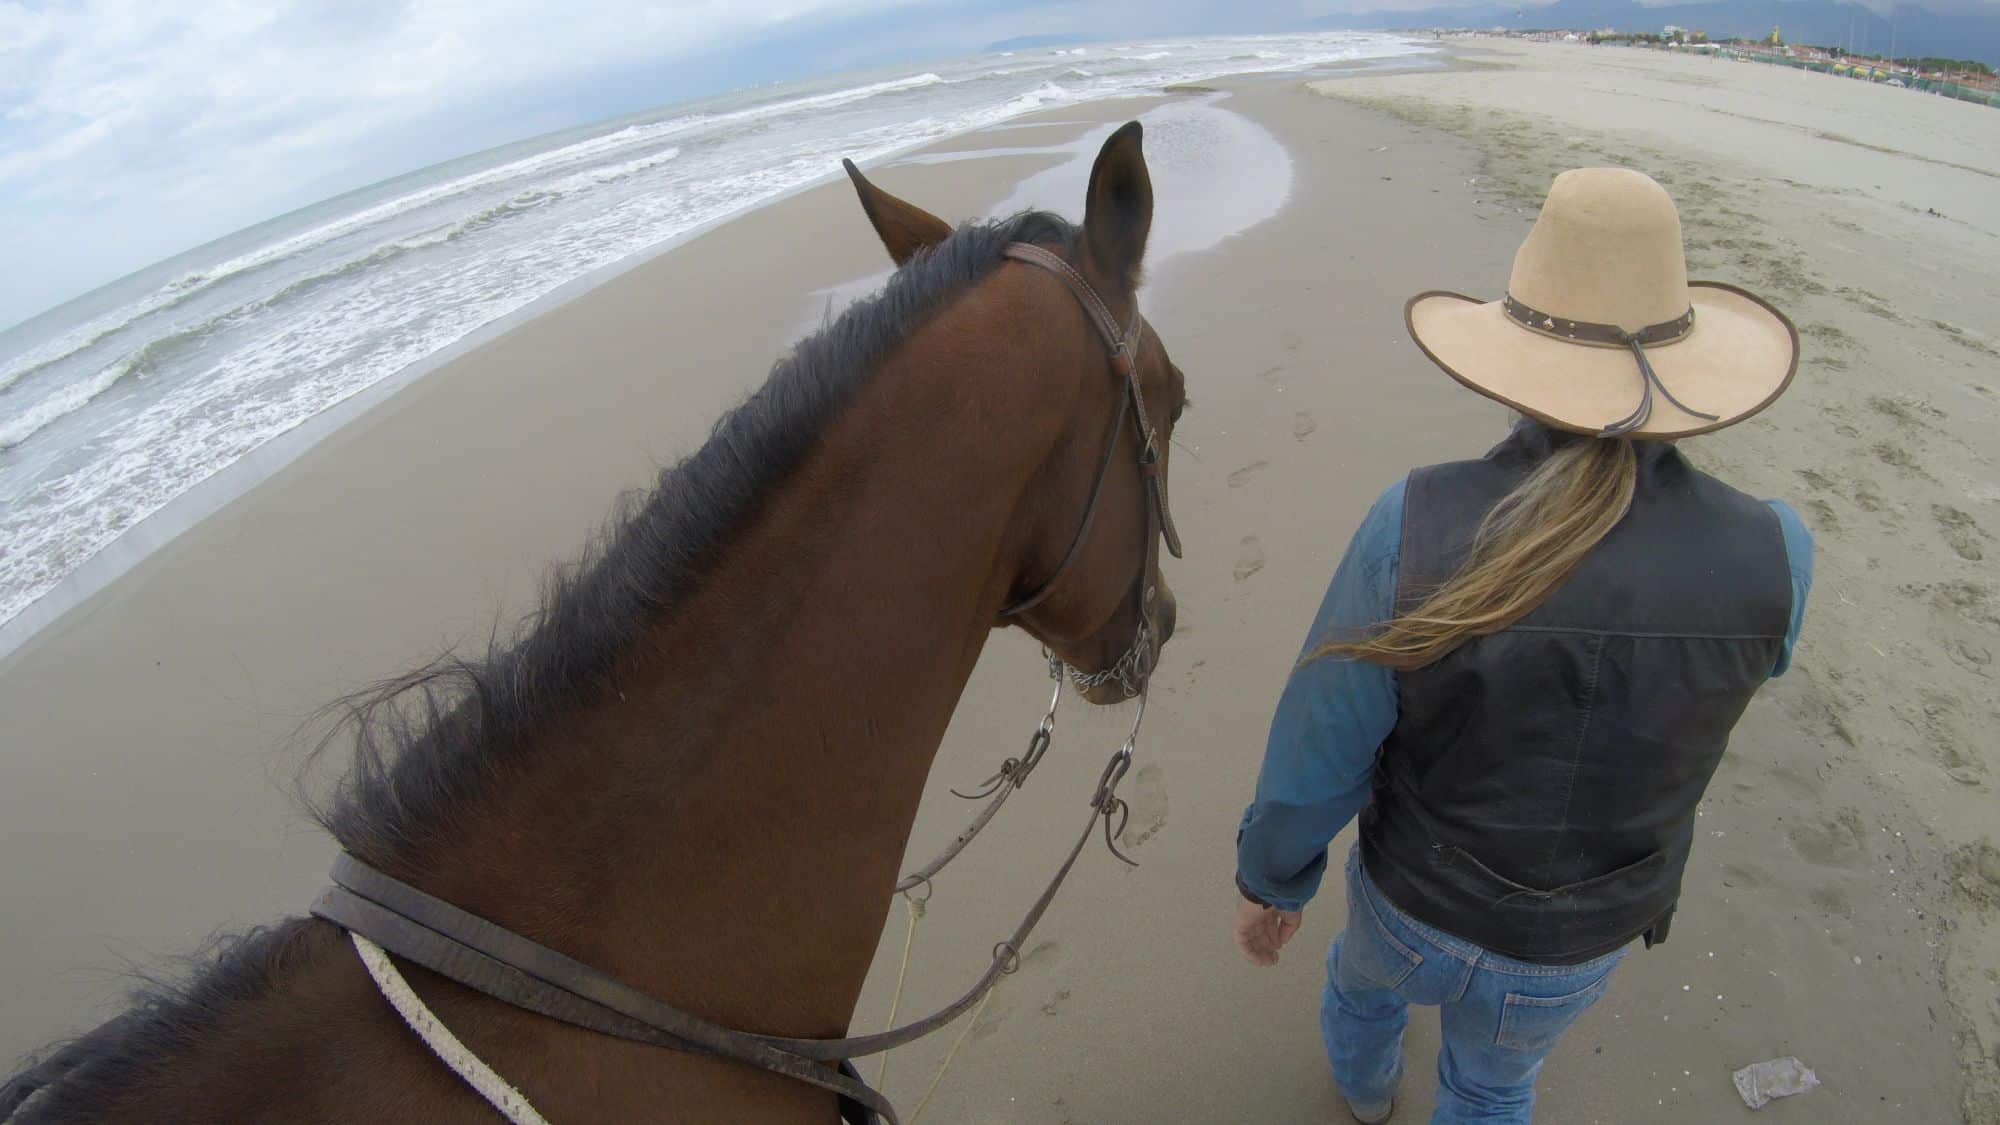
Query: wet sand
{"x": 1833, "y": 908}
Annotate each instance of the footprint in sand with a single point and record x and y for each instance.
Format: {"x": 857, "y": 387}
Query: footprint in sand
{"x": 1831, "y": 900}
{"x": 1193, "y": 670}
{"x": 1149, "y": 806}
{"x": 1905, "y": 410}
{"x": 1303, "y": 426}
{"x": 1054, "y": 1006}
{"x": 1823, "y": 516}
{"x": 1743, "y": 874}
{"x": 1242, "y": 476}
{"x": 1836, "y": 841}
{"x": 1969, "y": 655}
{"x": 1798, "y": 783}
{"x": 1043, "y": 955}
{"x": 1960, "y": 531}
{"x": 1970, "y": 601}
{"x": 1893, "y": 454}
{"x": 1975, "y": 872}
{"x": 1967, "y": 340}
{"x": 996, "y": 1014}
{"x": 1249, "y": 557}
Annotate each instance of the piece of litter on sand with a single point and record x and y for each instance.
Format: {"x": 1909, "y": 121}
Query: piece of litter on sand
{"x": 1774, "y": 1078}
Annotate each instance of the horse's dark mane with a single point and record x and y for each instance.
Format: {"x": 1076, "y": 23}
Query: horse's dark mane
{"x": 84, "y": 1078}
{"x": 427, "y": 742}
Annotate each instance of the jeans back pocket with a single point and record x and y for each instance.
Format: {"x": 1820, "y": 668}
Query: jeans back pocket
{"x": 1534, "y": 1023}
{"x": 1370, "y": 950}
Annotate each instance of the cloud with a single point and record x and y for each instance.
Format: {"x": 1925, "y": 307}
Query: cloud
{"x": 130, "y": 130}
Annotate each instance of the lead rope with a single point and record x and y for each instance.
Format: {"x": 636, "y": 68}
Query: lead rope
{"x": 1012, "y": 774}
{"x": 512, "y": 1104}
{"x": 963, "y": 1032}
{"x": 1104, "y": 802}
{"x": 916, "y": 906}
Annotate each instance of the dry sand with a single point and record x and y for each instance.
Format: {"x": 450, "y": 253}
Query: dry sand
{"x": 1838, "y": 906}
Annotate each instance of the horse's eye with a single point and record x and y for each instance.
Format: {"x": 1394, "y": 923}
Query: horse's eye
{"x": 1181, "y": 409}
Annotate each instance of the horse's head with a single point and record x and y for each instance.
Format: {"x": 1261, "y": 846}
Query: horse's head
{"x": 1086, "y": 581}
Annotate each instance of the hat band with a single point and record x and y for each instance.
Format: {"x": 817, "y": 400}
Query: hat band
{"x": 1587, "y": 332}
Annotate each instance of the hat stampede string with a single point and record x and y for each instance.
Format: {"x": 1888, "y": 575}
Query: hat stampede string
{"x": 1584, "y": 331}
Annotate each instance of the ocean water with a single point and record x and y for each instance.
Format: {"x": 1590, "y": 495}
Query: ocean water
{"x": 115, "y": 404}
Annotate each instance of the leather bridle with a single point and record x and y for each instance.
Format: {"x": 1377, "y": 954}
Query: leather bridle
{"x": 1131, "y": 668}
{"x": 489, "y": 958}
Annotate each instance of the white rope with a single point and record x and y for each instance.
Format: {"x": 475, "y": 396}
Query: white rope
{"x": 439, "y": 1038}
{"x": 916, "y": 906}
{"x": 953, "y": 1053}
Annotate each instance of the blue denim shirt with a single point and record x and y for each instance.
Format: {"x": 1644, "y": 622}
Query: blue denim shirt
{"x": 1319, "y": 759}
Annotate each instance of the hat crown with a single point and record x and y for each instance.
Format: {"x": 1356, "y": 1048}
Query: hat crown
{"x": 1606, "y": 249}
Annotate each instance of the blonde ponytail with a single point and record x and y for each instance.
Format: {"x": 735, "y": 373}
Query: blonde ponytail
{"x": 1526, "y": 547}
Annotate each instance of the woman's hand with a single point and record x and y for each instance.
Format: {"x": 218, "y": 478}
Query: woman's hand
{"x": 1261, "y": 931}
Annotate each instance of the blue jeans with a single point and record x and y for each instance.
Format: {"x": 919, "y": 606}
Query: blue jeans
{"x": 1500, "y": 1017}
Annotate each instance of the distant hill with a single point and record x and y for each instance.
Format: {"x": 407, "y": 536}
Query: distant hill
{"x": 1030, "y": 42}
{"x": 1973, "y": 34}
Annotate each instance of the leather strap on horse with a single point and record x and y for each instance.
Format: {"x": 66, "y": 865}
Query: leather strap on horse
{"x": 1123, "y": 343}
{"x": 492, "y": 959}
{"x": 487, "y": 958}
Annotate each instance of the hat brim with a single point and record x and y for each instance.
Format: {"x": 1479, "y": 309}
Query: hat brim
{"x": 1740, "y": 356}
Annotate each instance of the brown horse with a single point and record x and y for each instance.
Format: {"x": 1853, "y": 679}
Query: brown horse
{"x": 711, "y": 739}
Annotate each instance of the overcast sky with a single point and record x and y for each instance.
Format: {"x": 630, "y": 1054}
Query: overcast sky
{"x": 131, "y": 130}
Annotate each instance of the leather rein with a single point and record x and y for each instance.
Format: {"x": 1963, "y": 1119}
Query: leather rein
{"x": 491, "y": 959}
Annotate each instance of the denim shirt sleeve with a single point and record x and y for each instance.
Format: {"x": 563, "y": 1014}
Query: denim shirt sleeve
{"x": 1319, "y": 760}
{"x": 1799, "y": 558}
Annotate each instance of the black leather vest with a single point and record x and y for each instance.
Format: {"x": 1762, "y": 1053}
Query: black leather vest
{"x": 1537, "y": 796}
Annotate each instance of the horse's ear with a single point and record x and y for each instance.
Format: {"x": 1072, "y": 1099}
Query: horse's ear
{"x": 1118, "y": 207}
{"x": 904, "y": 227}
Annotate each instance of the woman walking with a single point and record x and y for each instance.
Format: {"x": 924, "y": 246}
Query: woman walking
{"x": 1527, "y": 667}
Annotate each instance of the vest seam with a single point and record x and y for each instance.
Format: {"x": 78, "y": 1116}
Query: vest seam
{"x": 1576, "y": 760}
{"x": 1581, "y": 631}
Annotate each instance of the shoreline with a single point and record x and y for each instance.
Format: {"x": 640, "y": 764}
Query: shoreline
{"x": 185, "y": 512}
{"x": 199, "y": 501}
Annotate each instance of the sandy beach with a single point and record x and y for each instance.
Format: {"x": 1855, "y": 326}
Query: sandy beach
{"x": 1843, "y": 902}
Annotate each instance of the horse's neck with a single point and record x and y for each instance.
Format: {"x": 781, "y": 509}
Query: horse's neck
{"x": 727, "y": 834}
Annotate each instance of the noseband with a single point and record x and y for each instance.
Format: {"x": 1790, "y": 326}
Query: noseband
{"x": 385, "y": 915}
{"x": 1131, "y": 668}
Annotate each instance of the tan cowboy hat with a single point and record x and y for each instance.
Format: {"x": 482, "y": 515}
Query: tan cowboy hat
{"x": 1601, "y": 332}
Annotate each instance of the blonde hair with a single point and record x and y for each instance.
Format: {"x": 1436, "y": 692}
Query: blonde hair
{"x": 1525, "y": 548}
